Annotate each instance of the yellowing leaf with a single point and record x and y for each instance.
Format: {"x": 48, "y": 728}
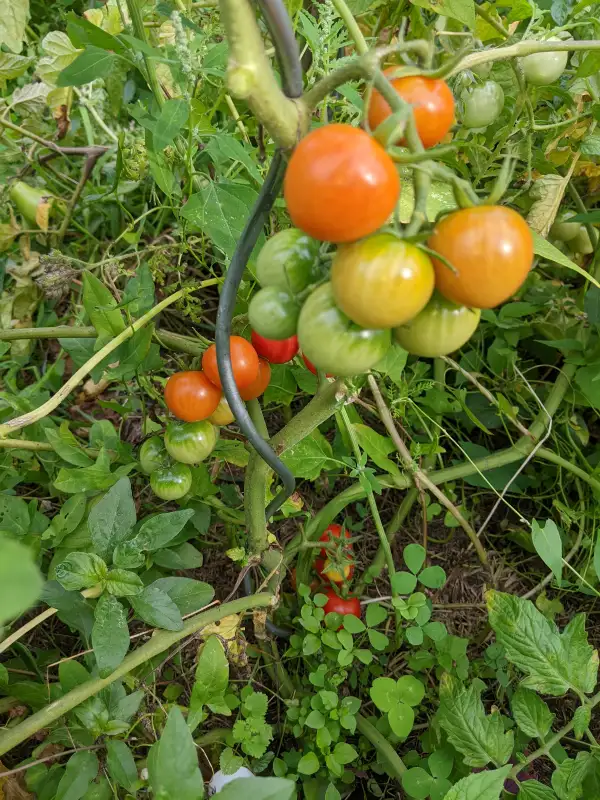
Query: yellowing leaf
{"x": 226, "y": 629}
{"x": 59, "y": 52}
{"x": 13, "y": 20}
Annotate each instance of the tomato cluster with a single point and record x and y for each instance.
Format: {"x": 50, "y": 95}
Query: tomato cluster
{"x": 335, "y": 566}
{"x": 341, "y": 186}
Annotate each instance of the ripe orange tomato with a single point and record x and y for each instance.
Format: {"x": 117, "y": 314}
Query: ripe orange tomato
{"x": 244, "y": 360}
{"x": 432, "y": 102}
{"x": 260, "y": 383}
{"x": 340, "y": 184}
{"x": 190, "y": 396}
{"x": 490, "y": 247}
{"x": 381, "y": 281}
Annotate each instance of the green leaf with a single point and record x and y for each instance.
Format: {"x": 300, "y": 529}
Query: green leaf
{"x": 282, "y": 387}
{"x": 310, "y": 457}
{"x": 156, "y": 608}
{"x": 173, "y": 770}
{"x": 20, "y": 580}
{"x": 414, "y": 557}
{"x": 567, "y": 778}
{"x": 440, "y": 762}
{"x": 547, "y": 251}
{"x": 344, "y": 753}
{"x": 183, "y": 557}
{"x": 260, "y": 789}
{"x": 220, "y": 210}
{"x": 462, "y": 10}
{"x": 480, "y": 786}
{"x": 378, "y": 641}
{"x": 393, "y": 363}
{"x": 72, "y": 674}
{"x": 581, "y": 720}
{"x": 401, "y": 718}
{"x": 353, "y": 624}
{"x": 157, "y": 531}
{"x": 14, "y": 515}
{"x": 548, "y": 545}
{"x": 93, "y": 63}
{"x": 384, "y": 693}
{"x": 66, "y": 446}
{"x": 554, "y": 662}
{"x": 534, "y": 790}
{"x": 80, "y": 771}
{"x": 403, "y": 582}
{"x": 122, "y": 582}
{"x": 212, "y": 674}
{"x": 375, "y": 614}
{"x": 12, "y": 66}
{"x": 81, "y": 571}
{"x": 173, "y": 116}
{"x": 112, "y": 518}
{"x": 377, "y": 448}
{"x": 478, "y": 736}
{"x": 120, "y": 764}
{"x": 110, "y": 634}
{"x": 417, "y": 783}
{"x": 410, "y": 690}
{"x": 189, "y": 595}
{"x": 432, "y": 577}
{"x": 101, "y": 306}
{"x": 96, "y": 478}
{"x": 163, "y": 174}
{"x": 531, "y": 713}
{"x": 13, "y": 21}
{"x": 308, "y": 764}
{"x": 82, "y": 32}
{"x": 315, "y": 720}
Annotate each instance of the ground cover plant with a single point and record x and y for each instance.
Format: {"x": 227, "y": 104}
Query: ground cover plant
{"x": 299, "y": 350}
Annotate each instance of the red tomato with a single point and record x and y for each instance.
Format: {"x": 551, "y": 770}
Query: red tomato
{"x": 258, "y": 386}
{"x": 330, "y": 534}
{"x": 244, "y": 360}
{"x": 348, "y": 605}
{"x": 190, "y": 396}
{"x": 276, "y": 351}
{"x": 432, "y": 101}
{"x": 340, "y": 184}
{"x": 312, "y": 368}
{"x": 491, "y": 249}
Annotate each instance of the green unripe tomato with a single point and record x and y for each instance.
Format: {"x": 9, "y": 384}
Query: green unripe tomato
{"x": 152, "y": 454}
{"x": 171, "y": 482}
{"x": 563, "y": 230}
{"x": 482, "y": 70}
{"x": 190, "y": 442}
{"x": 482, "y": 105}
{"x": 582, "y": 242}
{"x": 441, "y": 328}
{"x": 273, "y": 313}
{"x": 31, "y": 202}
{"x": 542, "y": 69}
{"x": 287, "y": 261}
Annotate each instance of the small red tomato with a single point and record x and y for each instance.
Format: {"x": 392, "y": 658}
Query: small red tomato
{"x": 258, "y": 386}
{"x": 330, "y": 534}
{"x": 276, "y": 351}
{"x": 312, "y": 368}
{"x": 341, "y": 605}
{"x": 190, "y": 396}
{"x": 432, "y": 102}
{"x": 244, "y": 361}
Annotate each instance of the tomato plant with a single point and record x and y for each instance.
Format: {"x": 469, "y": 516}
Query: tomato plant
{"x": 191, "y": 396}
{"x": 441, "y": 328}
{"x": 332, "y": 342}
{"x": 489, "y": 250}
{"x": 482, "y": 105}
{"x": 287, "y": 261}
{"x": 381, "y": 282}
{"x": 276, "y": 351}
{"x": 273, "y": 313}
{"x": 190, "y": 442}
{"x": 171, "y": 482}
{"x": 432, "y": 102}
{"x": 244, "y": 362}
{"x": 260, "y": 383}
{"x": 340, "y": 184}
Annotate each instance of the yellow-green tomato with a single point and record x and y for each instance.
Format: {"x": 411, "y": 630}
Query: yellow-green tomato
{"x": 287, "y": 261}
{"x": 171, "y": 482}
{"x": 152, "y": 454}
{"x": 542, "y": 69}
{"x": 190, "y": 442}
{"x": 582, "y": 242}
{"x": 441, "y": 328}
{"x": 30, "y": 201}
{"x": 381, "y": 281}
{"x": 564, "y": 230}
{"x": 222, "y": 415}
{"x": 332, "y": 342}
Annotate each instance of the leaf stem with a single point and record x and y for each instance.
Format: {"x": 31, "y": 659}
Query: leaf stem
{"x": 388, "y": 755}
{"x": 139, "y": 30}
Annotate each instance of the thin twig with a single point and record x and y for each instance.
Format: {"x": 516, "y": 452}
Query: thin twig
{"x": 417, "y": 473}
{"x": 49, "y": 758}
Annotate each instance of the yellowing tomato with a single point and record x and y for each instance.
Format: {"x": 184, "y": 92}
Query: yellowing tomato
{"x": 381, "y": 282}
